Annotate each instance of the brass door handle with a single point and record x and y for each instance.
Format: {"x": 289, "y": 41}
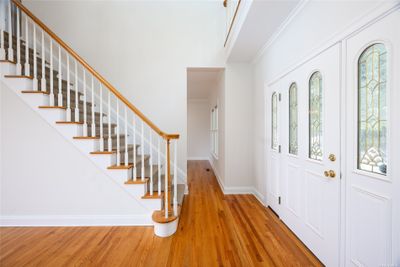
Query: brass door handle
{"x": 330, "y": 173}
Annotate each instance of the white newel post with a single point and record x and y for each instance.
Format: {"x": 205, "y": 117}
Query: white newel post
{"x": 60, "y": 96}
{"x": 51, "y": 75}
{"x": 151, "y": 159}
{"x": 134, "y": 149}
{"x": 76, "y": 93}
{"x": 159, "y": 165}
{"x": 109, "y": 122}
{"x": 85, "y": 130}
{"x": 166, "y": 180}
{"x": 10, "y": 50}
{"x": 27, "y": 66}
{"x": 68, "y": 91}
{"x": 43, "y": 80}
{"x": 93, "y": 115}
{"x": 126, "y": 138}
{"x": 19, "y": 66}
{"x": 35, "y": 80}
{"x": 142, "y": 150}
{"x": 118, "y": 141}
{"x": 175, "y": 178}
{"x": 101, "y": 119}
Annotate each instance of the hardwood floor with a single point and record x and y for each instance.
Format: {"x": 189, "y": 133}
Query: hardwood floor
{"x": 214, "y": 230}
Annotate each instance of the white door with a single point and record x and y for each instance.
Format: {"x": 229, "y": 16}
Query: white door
{"x": 310, "y": 190}
{"x": 273, "y": 148}
{"x": 373, "y": 145}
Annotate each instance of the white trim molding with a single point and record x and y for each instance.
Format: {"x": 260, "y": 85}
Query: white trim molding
{"x": 75, "y": 220}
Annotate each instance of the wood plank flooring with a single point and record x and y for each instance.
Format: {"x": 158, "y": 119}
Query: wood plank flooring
{"x": 214, "y": 230}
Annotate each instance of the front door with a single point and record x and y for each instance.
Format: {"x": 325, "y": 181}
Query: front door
{"x": 373, "y": 145}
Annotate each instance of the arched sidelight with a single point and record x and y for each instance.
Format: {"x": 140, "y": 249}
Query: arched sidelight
{"x": 315, "y": 117}
{"x": 274, "y": 121}
{"x": 293, "y": 146}
{"x": 372, "y": 109}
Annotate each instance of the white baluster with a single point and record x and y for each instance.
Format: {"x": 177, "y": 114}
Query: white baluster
{"x": 43, "y": 80}
{"x": 27, "y": 65}
{"x": 60, "y": 96}
{"x": 76, "y": 93}
{"x": 35, "y": 80}
{"x": 126, "y": 139}
{"x": 159, "y": 165}
{"x": 2, "y": 47}
{"x": 109, "y": 122}
{"x": 150, "y": 160}
{"x": 68, "y": 92}
{"x": 118, "y": 141}
{"x": 142, "y": 150}
{"x": 85, "y": 130}
{"x": 166, "y": 180}
{"x": 101, "y": 119}
{"x": 134, "y": 149}
{"x": 51, "y": 74}
{"x": 93, "y": 117}
{"x": 175, "y": 179}
{"x": 10, "y": 50}
{"x": 19, "y": 66}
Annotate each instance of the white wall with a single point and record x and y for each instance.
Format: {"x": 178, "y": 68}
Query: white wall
{"x": 198, "y": 129}
{"x": 238, "y": 128}
{"x": 315, "y": 24}
{"x": 44, "y": 179}
{"x": 143, "y": 48}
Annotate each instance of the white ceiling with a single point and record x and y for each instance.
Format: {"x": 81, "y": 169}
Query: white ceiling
{"x": 201, "y": 82}
{"x": 262, "y": 21}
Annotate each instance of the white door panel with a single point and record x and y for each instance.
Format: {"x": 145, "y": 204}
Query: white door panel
{"x": 372, "y": 201}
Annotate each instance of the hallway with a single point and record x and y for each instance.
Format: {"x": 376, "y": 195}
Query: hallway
{"x": 214, "y": 230}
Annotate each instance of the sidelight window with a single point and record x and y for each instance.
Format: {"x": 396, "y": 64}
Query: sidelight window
{"x": 293, "y": 119}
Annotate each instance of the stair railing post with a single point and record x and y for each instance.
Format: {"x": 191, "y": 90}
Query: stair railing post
{"x": 19, "y": 66}
{"x": 60, "y": 96}
{"x": 101, "y": 119}
{"x": 51, "y": 74}
{"x": 68, "y": 91}
{"x": 166, "y": 169}
{"x": 126, "y": 156}
{"x": 27, "y": 69}
{"x": 76, "y": 93}
{"x": 35, "y": 80}
{"x": 118, "y": 141}
{"x": 142, "y": 151}
{"x": 85, "y": 128}
{"x": 43, "y": 80}
{"x": 134, "y": 149}
{"x": 159, "y": 165}
{"x": 2, "y": 46}
{"x": 151, "y": 159}
{"x": 109, "y": 141}
{"x": 175, "y": 178}
{"x": 10, "y": 49}
{"x": 93, "y": 114}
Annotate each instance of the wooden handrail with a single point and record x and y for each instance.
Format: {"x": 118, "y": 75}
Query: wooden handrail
{"x": 233, "y": 20}
{"x": 95, "y": 73}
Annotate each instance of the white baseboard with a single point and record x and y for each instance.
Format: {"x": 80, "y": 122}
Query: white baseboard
{"x": 237, "y": 190}
{"x": 76, "y": 220}
{"x": 197, "y": 158}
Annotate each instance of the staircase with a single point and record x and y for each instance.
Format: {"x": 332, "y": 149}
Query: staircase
{"x": 90, "y": 113}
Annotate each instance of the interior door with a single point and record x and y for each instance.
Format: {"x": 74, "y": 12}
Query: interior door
{"x": 372, "y": 145}
{"x": 274, "y": 148}
{"x": 310, "y": 189}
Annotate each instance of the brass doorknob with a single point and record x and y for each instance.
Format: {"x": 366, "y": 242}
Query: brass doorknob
{"x": 330, "y": 173}
{"x": 332, "y": 157}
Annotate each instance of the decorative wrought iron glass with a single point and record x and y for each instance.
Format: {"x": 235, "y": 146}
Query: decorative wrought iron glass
{"x": 315, "y": 117}
{"x": 372, "y": 109}
{"x": 293, "y": 119}
{"x": 274, "y": 121}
